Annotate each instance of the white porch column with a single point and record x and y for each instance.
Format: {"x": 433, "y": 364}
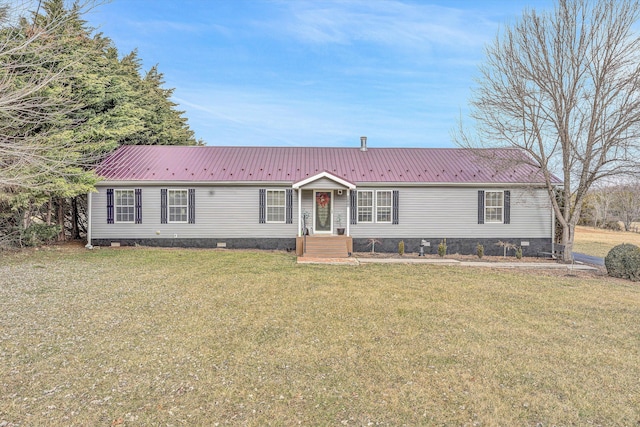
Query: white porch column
{"x": 348, "y": 210}
{"x": 299, "y": 212}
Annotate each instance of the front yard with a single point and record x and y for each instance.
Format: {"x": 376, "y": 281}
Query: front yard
{"x": 197, "y": 337}
{"x": 598, "y": 242}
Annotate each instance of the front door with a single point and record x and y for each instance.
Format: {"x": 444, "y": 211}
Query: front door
{"x": 323, "y": 211}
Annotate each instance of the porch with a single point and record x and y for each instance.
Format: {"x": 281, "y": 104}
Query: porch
{"x": 324, "y": 246}
{"x": 324, "y": 205}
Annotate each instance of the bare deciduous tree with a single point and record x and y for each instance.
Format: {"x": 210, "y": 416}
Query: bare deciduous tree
{"x": 601, "y": 201}
{"x": 564, "y": 86}
{"x": 626, "y": 203}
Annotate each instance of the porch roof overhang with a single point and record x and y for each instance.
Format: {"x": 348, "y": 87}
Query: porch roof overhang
{"x": 321, "y": 175}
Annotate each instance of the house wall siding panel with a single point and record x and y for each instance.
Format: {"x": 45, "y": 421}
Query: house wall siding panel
{"x": 453, "y": 212}
{"x": 232, "y": 212}
{"x": 229, "y": 211}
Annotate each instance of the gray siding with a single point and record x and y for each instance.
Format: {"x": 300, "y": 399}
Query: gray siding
{"x": 307, "y": 204}
{"x": 453, "y": 212}
{"x": 233, "y": 212}
{"x": 220, "y": 212}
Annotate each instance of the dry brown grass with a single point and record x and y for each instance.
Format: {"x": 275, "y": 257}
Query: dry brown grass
{"x": 598, "y": 242}
{"x": 174, "y": 337}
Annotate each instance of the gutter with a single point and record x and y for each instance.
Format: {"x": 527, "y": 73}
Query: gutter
{"x": 132, "y": 183}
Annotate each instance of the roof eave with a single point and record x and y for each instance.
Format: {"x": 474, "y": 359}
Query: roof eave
{"x": 297, "y": 185}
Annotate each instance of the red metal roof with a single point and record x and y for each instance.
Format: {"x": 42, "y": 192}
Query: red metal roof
{"x": 292, "y": 164}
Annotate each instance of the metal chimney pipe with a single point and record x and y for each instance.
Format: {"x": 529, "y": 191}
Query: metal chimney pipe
{"x": 363, "y": 143}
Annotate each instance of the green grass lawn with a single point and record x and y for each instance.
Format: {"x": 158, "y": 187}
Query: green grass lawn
{"x": 598, "y": 242}
{"x": 197, "y": 337}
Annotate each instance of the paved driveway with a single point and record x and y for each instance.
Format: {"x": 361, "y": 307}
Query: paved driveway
{"x": 588, "y": 259}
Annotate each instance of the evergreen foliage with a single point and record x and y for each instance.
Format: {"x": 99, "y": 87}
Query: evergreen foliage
{"x": 623, "y": 261}
{"x": 442, "y": 248}
{"x": 77, "y": 101}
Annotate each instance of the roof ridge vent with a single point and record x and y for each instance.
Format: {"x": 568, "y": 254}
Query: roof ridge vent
{"x": 363, "y": 143}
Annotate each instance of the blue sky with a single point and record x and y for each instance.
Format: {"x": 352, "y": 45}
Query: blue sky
{"x": 314, "y": 73}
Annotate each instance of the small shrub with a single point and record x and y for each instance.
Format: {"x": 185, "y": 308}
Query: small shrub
{"x": 401, "y": 247}
{"x": 442, "y": 248}
{"x": 632, "y": 264}
{"x": 480, "y": 250}
{"x": 623, "y": 261}
{"x": 38, "y": 234}
{"x": 519, "y": 252}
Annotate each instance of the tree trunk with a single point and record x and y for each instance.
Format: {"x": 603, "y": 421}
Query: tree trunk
{"x": 49, "y": 211}
{"x": 61, "y": 235}
{"x": 568, "y": 230}
{"x": 26, "y": 218}
{"x": 75, "y": 230}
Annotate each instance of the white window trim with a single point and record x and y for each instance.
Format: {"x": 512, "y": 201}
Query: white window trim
{"x": 373, "y": 206}
{"x": 390, "y": 207}
{"x": 169, "y": 205}
{"x": 116, "y": 205}
{"x": 486, "y": 221}
{"x": 283, "y": 206}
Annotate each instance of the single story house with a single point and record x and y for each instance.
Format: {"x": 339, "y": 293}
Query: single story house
{"x": 270, "y": 197}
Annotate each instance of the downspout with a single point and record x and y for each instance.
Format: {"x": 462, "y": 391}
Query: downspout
{"x": 348, "y": 210}
{"x": 89, "y": 245}
{"x": 553, "y": 229}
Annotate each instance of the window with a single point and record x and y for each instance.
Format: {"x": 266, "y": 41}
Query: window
{"x": 365, "y": 206}
{"x": 125, "y": 205}
{"x": 383, "y": 208}
{"x": 384, "y": 204}
{"x": 276, "y": 205}
{"x": 494, "y": 206}
{"x": 178, "y": 205}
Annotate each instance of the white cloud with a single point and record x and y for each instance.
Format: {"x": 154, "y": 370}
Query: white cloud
{"x": 159, "y": 26}
{"x": 392, "y": 23}
{"x": 237, "y": 116}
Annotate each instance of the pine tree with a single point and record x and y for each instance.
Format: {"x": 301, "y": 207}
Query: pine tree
{"x": 83, "y": 102}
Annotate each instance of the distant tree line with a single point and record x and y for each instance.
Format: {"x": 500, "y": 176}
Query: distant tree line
{"x": 614, "y": 206}
{"x": 68, "y": 99}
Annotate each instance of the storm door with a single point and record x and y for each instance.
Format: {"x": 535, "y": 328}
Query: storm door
{"x": 323, "y": 211}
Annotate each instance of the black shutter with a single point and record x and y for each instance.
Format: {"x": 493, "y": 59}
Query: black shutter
{"x": 354, "y": 207}
{"x": 289, "y": 206}
{"x": 396, "y": 211}
{"x": 138, "y": 205}
{"x": 481, "y": 207}
{"x": 192, "y": 206}
{"x": 109, "y": 205}
{"x": 163, "y": 206}
{"x": 262, "y": 211}
{"x": 507, "y": 207}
